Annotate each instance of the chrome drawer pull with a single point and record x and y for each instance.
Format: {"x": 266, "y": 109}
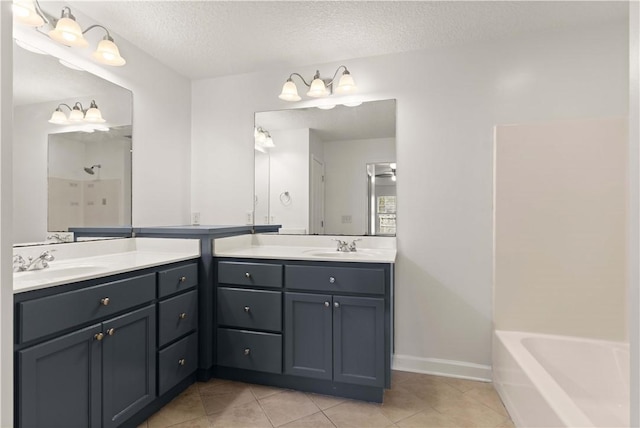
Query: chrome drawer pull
{"x": 111, "y": 331}
{"x": 182, "y": 361}
{"x": 104, "y": 301}
{"x": 182, "y": 315}
{"x": 332, "y": 280}
{"x": 99, "y": 336}
{"x": 247, "y": 351}
{"x": 336, "y": 304}
{"x": 183, "y": 279}
{"x": 247, "y": 309}
{"x": 326, "y": 304}
{"x": 247, "y": 274}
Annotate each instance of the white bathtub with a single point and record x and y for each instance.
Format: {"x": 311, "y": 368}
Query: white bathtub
{"x": 561, "y": 381}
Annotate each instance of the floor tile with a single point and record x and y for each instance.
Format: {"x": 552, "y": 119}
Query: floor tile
{"x": 400, "y": 403}
{"x": 325, "y": 401}
{"x": 143, "y": 425}
{"x": 357, "y": 414}
{"x": 262, "y": 391}
{"x": 464, "y": 385}
{"x": 489, "y": 397}
{"x": 470, "y": 413}
{"x": 397, "y": 377}
{"x": 287, "y": 406}
{"x": 317, "y": 420}
{"x": 429, "y": 418}
{"x": 202, "y": 422}
{"x": 185, "y": 407}
{"x": 432, "y": 390}
{"x": 247, "y": 415}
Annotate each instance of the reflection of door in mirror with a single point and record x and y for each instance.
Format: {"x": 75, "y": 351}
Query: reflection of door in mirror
{"x": 316, "y": 162}
{"x": 261, "y": 197}
{"x": 89, "y": 179}
{"x": 381, "y": 188}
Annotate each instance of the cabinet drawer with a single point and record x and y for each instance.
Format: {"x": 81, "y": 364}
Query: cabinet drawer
{"x": 252, "y": 274}
{"x": 176, "y": 362}
{"x": 177, "y": 279}
{"x": 40, "y": 317}
{"x": 250, "y": 350}
{"x": 253, "y": 309}
{"x": 338, "y": 279}
{"x": 177, "y": 316}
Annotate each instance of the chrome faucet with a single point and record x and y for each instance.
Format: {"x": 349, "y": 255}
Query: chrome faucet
{"x": 345, "y": 247}
{"x": 40, "y": 262}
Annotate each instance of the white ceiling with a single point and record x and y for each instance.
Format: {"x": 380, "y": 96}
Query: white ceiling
{"x": 200, "y": 39}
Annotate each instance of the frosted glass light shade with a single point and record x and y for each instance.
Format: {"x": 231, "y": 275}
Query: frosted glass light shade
{"x": 93, "y": 115}
{"x": 346, "y": 85}
{"x": 107, "y": 53}
{"x": 69, "y": 33}
{"x": 317, "y": 89}
{"x": 58, "y": 117}
{"x": 76, "y": 115}
{"x": 289, "y": 91}
{"x": 268, "y": 143}
{"x": 24, "y": 12}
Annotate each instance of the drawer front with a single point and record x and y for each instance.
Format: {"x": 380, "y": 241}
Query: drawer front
{"x": 250, "y": 274}
{"x": 176, "y": 362}
{"x": 250, "y": 350}
{"x": 47, "y": 315}
{"x": 252, "y": 309}
{"x": 338, "y": 279}
{"x": 177, "y": 316}
{"x": 171, "y": 281}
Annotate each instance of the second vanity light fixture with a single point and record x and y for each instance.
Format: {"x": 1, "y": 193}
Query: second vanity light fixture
{"x": 77, "y": 114}
{"x": 67, "y": 31}
{"x": 319, "y": 87}
{"x": 262, "y": 139}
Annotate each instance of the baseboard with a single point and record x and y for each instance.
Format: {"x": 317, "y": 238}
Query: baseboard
{"x": 439, "y": 367}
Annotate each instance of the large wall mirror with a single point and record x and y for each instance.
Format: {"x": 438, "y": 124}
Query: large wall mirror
{"x": 329, "y": 172}
{"x": 76, "y": 174}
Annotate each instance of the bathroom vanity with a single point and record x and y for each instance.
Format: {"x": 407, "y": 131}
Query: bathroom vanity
{"x": 293, "y": 315}
{"x": 109, "y": 344}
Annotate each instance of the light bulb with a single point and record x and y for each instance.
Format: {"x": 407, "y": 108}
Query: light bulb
{"x": 93, "y": 115}
{"x": 317, "y": 89}
{"x": 107, "y": 53}
{"x": 76, "y": 115}
{"x": 24, "y": 12}
{"x": 58, "y": 117}
{"x": 346, "y": 85}
{"x": 68, "y": 32}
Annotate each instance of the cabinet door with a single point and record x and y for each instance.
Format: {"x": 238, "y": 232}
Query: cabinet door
{"x": 59, "y": 382}
{"x": 358, "y": 340}
{"x": 129, "y": 364}
{"x": 308, "y": 335}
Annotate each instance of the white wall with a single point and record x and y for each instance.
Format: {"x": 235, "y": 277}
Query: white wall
{"x": 561, "y": 228}
{"x": 346, "y": 181}
{"x": 448, "y": 101}
{"x": 289, "y": 172}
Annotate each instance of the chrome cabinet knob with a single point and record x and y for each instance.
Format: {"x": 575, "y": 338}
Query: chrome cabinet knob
{"x": 111, "y": 331}
{"x": 326, "y": 304}
{"x": 99, "y": 336}
{"x": 247, "y": 274}
{"x": 247, "y": 309}
{"x": 182, "y": 315}
{"x": 183, "y": 279}
{"x": 182, "y": 361}
{"x": 247, "y": 351}
{"x": 104, "y": 301}
{"x": 332, "y": 280}
{"x": 336, "y": 304}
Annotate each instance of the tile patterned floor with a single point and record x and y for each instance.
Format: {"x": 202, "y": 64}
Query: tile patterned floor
{"x": 414, "y": 400}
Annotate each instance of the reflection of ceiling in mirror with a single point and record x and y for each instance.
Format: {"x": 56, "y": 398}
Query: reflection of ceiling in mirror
{"x": 114, "y": 133}
{"x": 374, "y": 119}
{"x": 41, "y": 78}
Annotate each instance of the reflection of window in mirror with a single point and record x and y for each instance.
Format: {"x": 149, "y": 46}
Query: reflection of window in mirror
{"x": 381, "y": 188}
{"x": 318, "y": 157}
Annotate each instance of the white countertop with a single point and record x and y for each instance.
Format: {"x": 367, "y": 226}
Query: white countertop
{"x": 370, "y": 249}
{"x": 80, "y": 261}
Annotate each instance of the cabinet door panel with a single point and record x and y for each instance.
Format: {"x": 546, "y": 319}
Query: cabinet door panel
{"x": 308, "y": 335}
{"x": 129, "y": 364}
{"x": 358, "y": 340}
{"x": 59, "y": 382}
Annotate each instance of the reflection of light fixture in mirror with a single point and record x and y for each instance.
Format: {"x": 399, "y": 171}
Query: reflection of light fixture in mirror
{"x": 262, "y": 139}
{"x": 392, "y": 165}
{"x": 319, "y": 87}
{"x": 28, "y": 47}
{"x": 25, "y": 13}
{"x": 77, "y": 114}
{"x": 326, "y": 106}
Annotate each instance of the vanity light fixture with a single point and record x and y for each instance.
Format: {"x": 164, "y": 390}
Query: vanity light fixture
{"x": 319, "y": 87}
{"x": 77, "y": 114}
{"x": 67, "y": 31}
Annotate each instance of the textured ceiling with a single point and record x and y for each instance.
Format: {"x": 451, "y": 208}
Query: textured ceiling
{"x": 200, "y": 39}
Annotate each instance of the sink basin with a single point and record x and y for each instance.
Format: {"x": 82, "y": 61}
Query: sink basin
{"x": 53, "y": 271}
{"x": 360, "y": 254}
